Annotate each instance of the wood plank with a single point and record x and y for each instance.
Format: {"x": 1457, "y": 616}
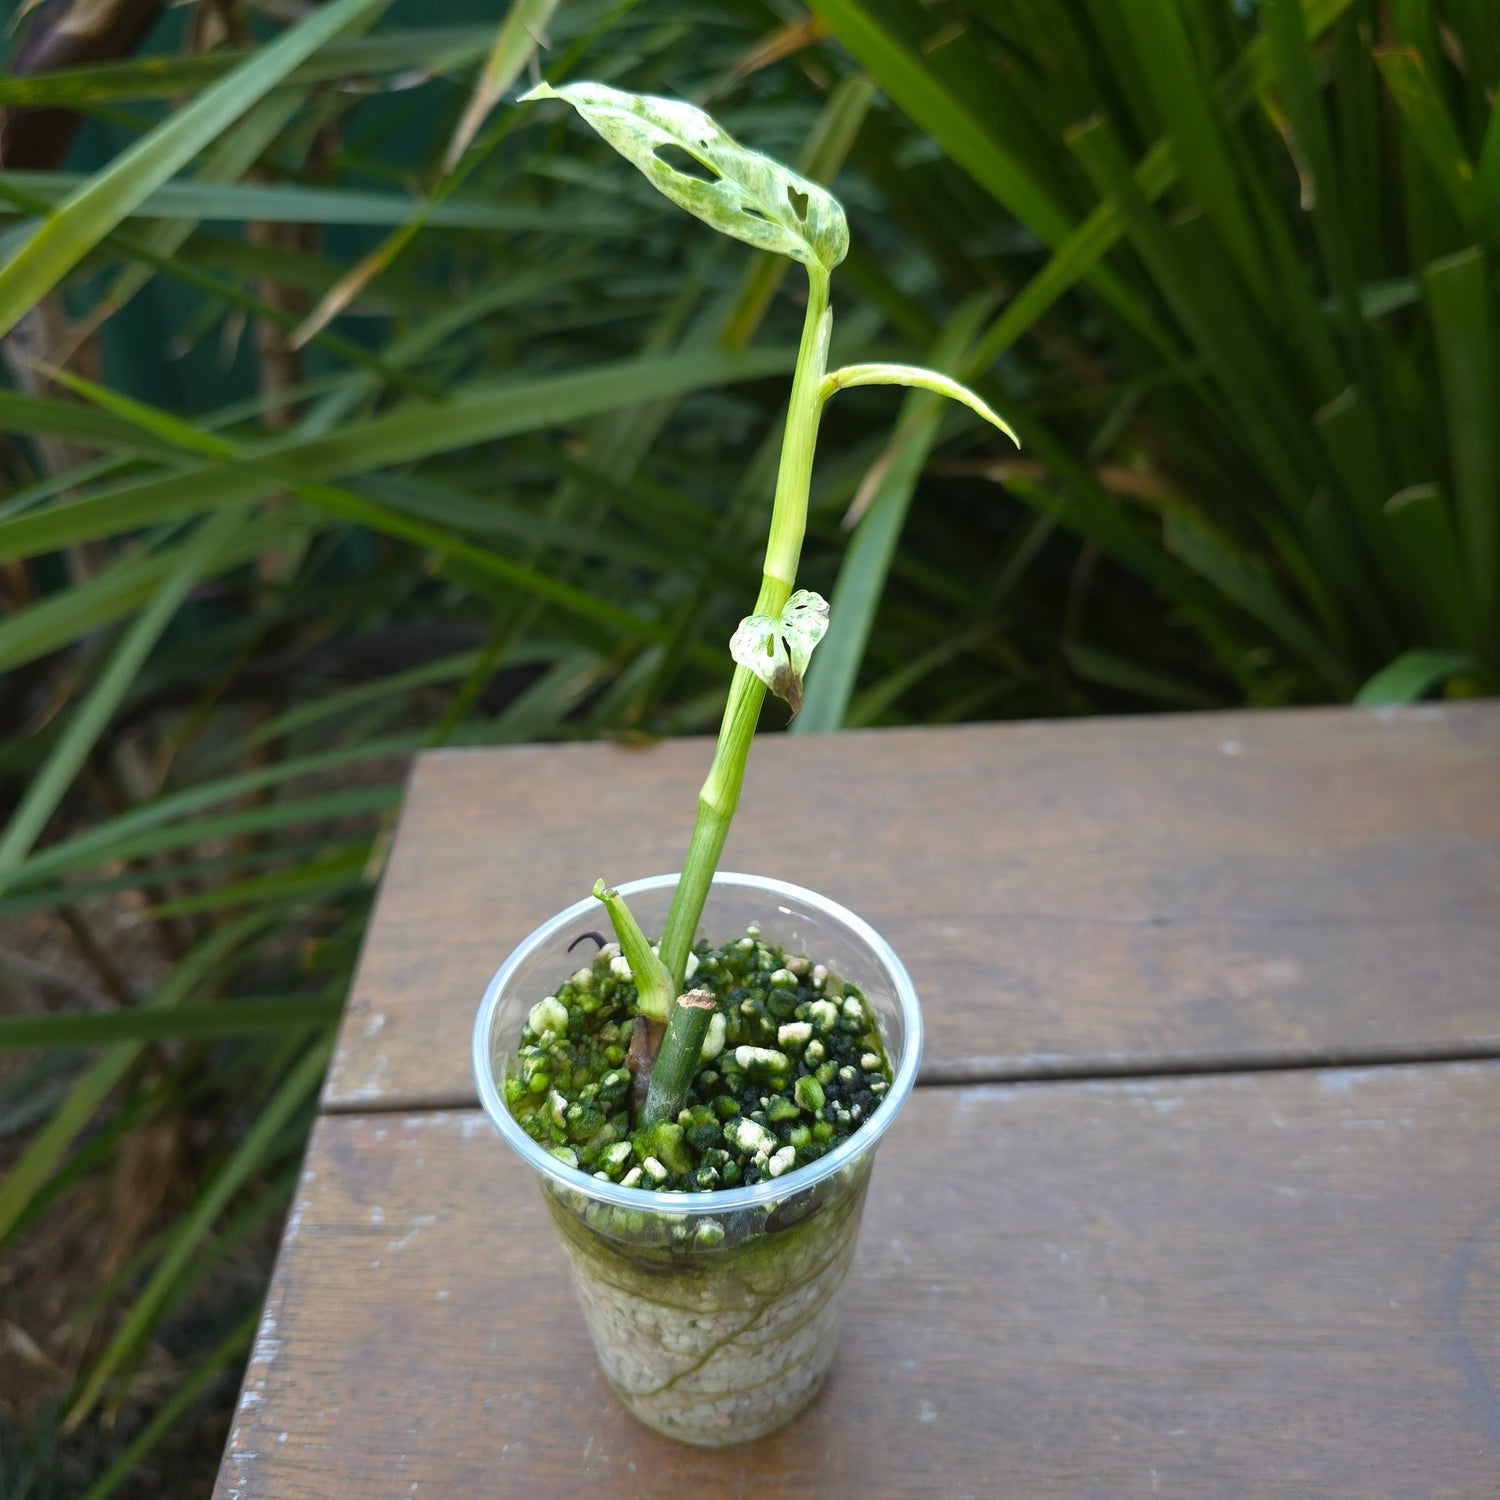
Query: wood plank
{"x": 1150, "y": 893}
{"x": 1276, "y": 1284}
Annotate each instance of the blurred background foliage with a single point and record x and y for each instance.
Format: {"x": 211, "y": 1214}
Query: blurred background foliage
{"x": 350, "y": 409}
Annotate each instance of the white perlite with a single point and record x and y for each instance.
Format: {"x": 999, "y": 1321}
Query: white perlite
{"x": 747, "y": 1337}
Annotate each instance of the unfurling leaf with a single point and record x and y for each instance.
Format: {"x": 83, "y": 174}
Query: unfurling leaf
{"x": 927, "y": 380}
{"x": 778, "y": 649}
{"x": 738, "y": 192}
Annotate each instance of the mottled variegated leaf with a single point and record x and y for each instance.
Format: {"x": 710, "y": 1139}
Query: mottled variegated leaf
{"x": 777, "y": 649}
{"x": 742, "y": 193}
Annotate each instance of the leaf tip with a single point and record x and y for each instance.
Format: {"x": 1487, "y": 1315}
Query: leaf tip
{"x": 996, "y": 420}
{"x": 543, "y": 90}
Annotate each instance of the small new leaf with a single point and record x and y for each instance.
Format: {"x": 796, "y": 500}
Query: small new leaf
{"x": 653, "y": 984}
{"x": 739, "y": 193}
{"x": 778, "y": 649}
{"x": 927, "y": 380}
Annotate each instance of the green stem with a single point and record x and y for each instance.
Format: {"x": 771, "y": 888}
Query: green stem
{"x": 720, "y": 795}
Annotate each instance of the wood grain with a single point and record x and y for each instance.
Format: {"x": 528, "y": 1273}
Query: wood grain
{"x": 1278, "y": 1284}
{"x": 1131, "y": 894}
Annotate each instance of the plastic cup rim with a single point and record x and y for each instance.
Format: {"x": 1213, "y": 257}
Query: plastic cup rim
{"x": 723, "y": 1201}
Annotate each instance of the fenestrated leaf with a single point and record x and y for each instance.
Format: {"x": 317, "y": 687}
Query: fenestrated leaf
{"x": 777, "y": 649}
{"x": 914, "y": 375}
{"x": 746, "y": 195}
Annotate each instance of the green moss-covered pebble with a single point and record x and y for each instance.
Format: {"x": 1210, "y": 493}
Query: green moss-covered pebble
{"x": 794, "y": 1065}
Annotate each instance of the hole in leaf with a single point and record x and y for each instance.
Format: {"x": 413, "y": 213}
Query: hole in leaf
{"x": 798, "y": 202}
{"x": 770, "y": 645}
{"x": 685, "y": 163}
{"x": 754, "y": 213}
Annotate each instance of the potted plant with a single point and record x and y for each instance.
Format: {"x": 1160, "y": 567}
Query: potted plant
{"x": 702, "y": 1111}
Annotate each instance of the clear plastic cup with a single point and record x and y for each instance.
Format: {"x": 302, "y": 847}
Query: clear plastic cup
{"x": 713, "y": 1314}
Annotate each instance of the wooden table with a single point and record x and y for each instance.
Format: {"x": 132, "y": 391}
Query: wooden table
{"x": 1213, "y": 1001}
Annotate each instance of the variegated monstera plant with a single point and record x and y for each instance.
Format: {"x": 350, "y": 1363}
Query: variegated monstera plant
{"x": 755, "y": 199}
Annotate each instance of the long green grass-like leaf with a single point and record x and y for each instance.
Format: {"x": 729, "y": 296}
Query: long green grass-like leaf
{"x": 239, "y": 202}
{"x": 968, "y": 141}
{"x": 520, "y": 35}
{"x": 227, "y": 160}
{"x": 866, "y": 565}
{"x": 29, "y": 1175}
{"x": 1224, "y": 328}
{"x": 1460, "y": 295}
{"x": 338, "y": 705}
{"x": 30, "y": 1094}
{"x": 31, "y": 496}
{"x": 427, "y": 333}
{"x": 225, "y": 1355}
{"x": 474, "y": 414}
{"x": 1258, "y": 596}
{"x": 317, "y": 880}
{"x": 965, "y": 138}
{"x": 67, "y": 616}
{"x": 299, "y": 1085}
{"x": 1487, "y": 185}
{"x": 84, "y": 218}
{"x": 1428, "y": 119}
{"x": 43, "y": 416}
{"x": 66, "y": 1123}
{"x": 92, "y": 716}
{"x": 237, "y": 1228}
{"x": 1110, "y": 669}
{"x": 1351, "y": 439}
{"x": 515, "y": 44}
{"x": 1413, "y": 675}
{"x": 868, "y": 706}
{"x": 1155, "y": 174}
{"x": 437, "y": 49}
{"x": 1419, "y": 519}
{"x": 97, "y": 843}
{"x": 1296, "y": 74}
{"x": 248, "y": 1017}
{"x": 462, "y": 511}
{"x": 180, "y": 268}
{"x": 28, "y": 898}
{"x": 138, "y": 1107}
{"x": 1184, "y": 104}
{"x": 64, "y": 858}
